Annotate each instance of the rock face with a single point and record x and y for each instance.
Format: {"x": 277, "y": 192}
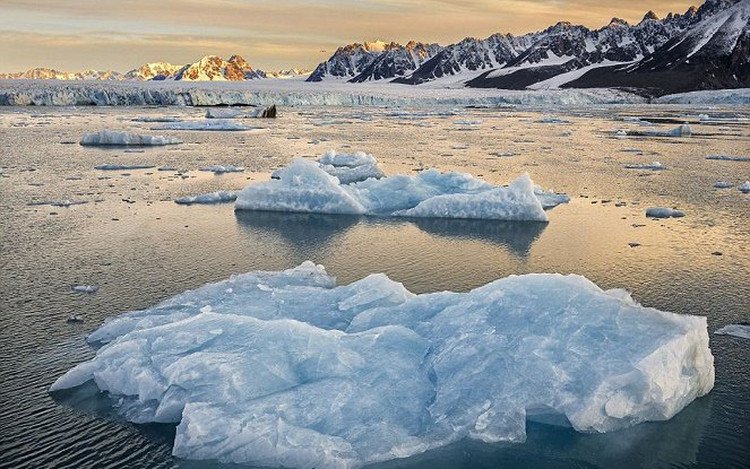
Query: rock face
{"x": 374, "y": 61}
{"x": 153, "y": 71}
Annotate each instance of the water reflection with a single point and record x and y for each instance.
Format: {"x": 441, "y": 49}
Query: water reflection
{"x": 304, "y": 231}
{"x": 516, "y": 236}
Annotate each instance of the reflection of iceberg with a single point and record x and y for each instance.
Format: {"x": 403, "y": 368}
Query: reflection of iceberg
{"x": 301, "y": 230}
{"x": 518, "y": 236}
{"x": 288, "y": 369}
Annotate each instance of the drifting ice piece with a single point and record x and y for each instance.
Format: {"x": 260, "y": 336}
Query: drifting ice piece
{"x": 664, "y": 212}
{"x": 210, "y": 198}
{"x": 306, "y": 186}
{"x": 240, "y": 113}
{"x": 286, "y": 369}
{"x": 208, "y": 124}
{"x": 113, "y": 138}
{"x": 737, "y": 330}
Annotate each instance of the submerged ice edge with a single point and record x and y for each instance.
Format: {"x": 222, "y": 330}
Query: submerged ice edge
{"x": 286, "y": 368}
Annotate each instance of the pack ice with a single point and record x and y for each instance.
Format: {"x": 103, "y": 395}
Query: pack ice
{"x": 314, "y": 187}
{"x": 288, "y": 369}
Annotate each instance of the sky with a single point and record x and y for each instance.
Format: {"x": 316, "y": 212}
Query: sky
{"x": 73, "y": 35}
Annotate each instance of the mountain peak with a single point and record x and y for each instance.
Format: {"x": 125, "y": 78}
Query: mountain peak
{"x": 618, "y": 22}
{"x": 650, "y": 16}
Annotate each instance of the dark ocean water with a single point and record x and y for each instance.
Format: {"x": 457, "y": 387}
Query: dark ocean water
{"x": 133, "y": 241}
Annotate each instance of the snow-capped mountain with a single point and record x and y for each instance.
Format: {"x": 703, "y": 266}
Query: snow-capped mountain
{"x": 153, "y": 71}
{"x": 214, "y": 68}
{"x": 287, "y": 74}
{"x": 714, "y": 52}
{"x": 373, "y": 61}
{"x": 51, "y": 74}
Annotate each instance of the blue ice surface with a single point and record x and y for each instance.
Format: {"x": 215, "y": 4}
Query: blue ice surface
{"x": 289, "y": 369}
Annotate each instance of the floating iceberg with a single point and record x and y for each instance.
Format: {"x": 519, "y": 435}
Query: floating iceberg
{"x": 723, "y": 185}
{"x": 306, "y": 186}
{"x": 745, "y": 187}
{"x": 114, "y": 138}
{"x": 221, "y": 169}
{"x": 664, "y": 212}
{"x": 210, "y": 198}
{"x": 237, "y": 113}
{"x": 655, "y": 166}
{"x": 85, "y": 288}
{"x": 287, "y": 369}
{"x": 208, "y": 124}
{"x": 737, "y": 330}
{"x": 728, "y": 158}
{"x": 683, "y": 130}
{"x": 120, "y": 167}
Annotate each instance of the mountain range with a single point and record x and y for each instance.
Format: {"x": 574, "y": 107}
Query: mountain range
{"x": 209, "y": 68}
{"x": 703, "y": 48}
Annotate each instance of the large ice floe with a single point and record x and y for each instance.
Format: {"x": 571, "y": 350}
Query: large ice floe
{"x": 115, "y": 138}
{"x": 288, "y": 369}
{"x": 353, "y": 184}
{"x": 204, "y": 125}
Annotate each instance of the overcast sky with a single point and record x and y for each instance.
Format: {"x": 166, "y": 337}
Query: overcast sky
{"x": 270, "y": 34}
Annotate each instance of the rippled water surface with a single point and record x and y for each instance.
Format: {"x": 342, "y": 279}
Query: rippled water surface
{"x": 128, "y": 236}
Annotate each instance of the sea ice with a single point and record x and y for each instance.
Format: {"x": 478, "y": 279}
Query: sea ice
{"x": 85, "y": 288}
{"x": 745, "y": 187}
{"x": 210, "y": 198}
{"x": 683, "y": 130}
{"x": 664, "y": 212}
{"x": 287, "y": 369}
{"x": 655, "y": 166}
{"x": 114, "y": 138}
{"x": 728, "y": 158}
{"x": 221, "y": 169}
{"x": 723, "y": 185}
{"x": 349, "y": 168}
{"x": 208, "y": 124}
{"x": 120, "y": 167}
{"x": 737, "y": 330}
{"x": 306, "y": 186}
{"x": 241, "y": 113}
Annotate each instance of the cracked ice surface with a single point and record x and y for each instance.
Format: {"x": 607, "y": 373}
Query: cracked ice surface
{"x": 286, "y": 368}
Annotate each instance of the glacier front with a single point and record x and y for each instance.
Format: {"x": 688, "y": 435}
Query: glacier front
{"x": 314, "y": 187}
{"x": 288, "y": 369}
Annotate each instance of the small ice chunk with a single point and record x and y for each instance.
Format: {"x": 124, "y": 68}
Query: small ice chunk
{"x": 121, "y": 167}
{"x": 241, "y": 113}
{"x": 114, "y": 138}
{"x": 745, "y": 187}
{"x": 210, "y": 198}
{"x": 723, "y": 184}
{"x": 655, "y": 166}
{"x": 683, "y": 130}
{"x": 208, "y": 124}
{"x": 664, "y": 212}
{"x": 85, "y": 288}
{"x": 728, "y": 158}
{"x": 737, "y": 330}
{"x": 221, "y": 169}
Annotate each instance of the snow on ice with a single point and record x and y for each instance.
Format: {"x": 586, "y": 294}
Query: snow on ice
{"x": 307, "y": 186}
{"x": 664, "y": 212}
{"x": 210, "y": 198}
{"x": 221, "y": 169}
{"x": 288, "y": 369}
{"x": 115, "y": 138}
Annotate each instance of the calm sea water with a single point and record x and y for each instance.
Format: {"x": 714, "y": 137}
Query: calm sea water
{"x": 140, "y": 247}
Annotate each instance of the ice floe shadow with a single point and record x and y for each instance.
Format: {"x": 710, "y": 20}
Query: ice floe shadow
{"x": 309, "y": 230}
{"x": 316, "y": 231}
{"x": 516, "y": 236}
